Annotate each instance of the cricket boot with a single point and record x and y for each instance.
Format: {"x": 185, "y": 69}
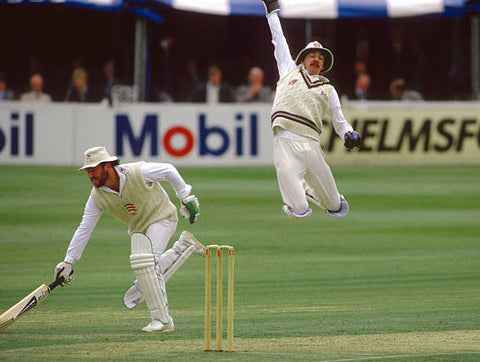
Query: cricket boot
{"x": 157, "y": 326}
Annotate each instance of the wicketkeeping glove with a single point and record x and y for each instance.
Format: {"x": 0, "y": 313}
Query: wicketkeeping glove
{"x": 352, "y": 140}
{"x": 64, "y": 270}
{"x": 271, "y": 6}
{"x": 190, "y": 208}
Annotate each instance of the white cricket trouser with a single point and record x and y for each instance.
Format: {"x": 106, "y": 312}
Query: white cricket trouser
{"x": 299, "y": 161}
{"x": 160, "y": 234}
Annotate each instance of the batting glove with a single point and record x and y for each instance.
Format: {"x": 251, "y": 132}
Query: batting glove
{"x": 352, "y": 140}
{"x": 190, "y": 208}
{"x": 271, "y": 6}
{"x": 64, "y": 270}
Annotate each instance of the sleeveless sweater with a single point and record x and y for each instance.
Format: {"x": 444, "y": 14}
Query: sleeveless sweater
{"x": 301, "y": 102}
{"x": 140, "y": 205}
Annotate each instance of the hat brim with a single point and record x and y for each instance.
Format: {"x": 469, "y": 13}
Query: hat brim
{"x": 110, "y": 159}
{"x": 328, "y": 56}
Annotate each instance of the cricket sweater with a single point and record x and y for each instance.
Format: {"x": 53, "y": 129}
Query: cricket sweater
{"x": 139, "y": 205}
{"x": 301, "y": 102}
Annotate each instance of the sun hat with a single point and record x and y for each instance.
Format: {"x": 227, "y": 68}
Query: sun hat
{"x": 316, "y": 46}
{"x": 95, "y": 156}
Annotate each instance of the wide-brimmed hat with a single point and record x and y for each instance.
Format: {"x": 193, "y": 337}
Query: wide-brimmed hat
{"x": 316, "y": 46}
{"x": 95, "y": 156}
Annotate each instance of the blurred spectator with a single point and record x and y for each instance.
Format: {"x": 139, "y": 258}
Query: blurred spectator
{"x": 398, "y": 91}
{"x": 78, "y": 90}
{"x": 213, "y": 91}
{"x": 6, "y": 94}
{"x": 362, "y": 86}
{"x": 36, "y": 90}
{"x": 108, "y": 81}
{"x": 189, "y": 79}
{"x": 254, "y": 91}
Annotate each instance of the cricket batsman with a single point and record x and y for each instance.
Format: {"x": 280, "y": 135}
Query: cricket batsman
{"x": 303, "y": 98}
{"x": 132, "y": 193}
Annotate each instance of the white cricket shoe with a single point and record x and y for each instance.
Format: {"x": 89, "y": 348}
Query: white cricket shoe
{"x": 157, "y": 326}
{"x": 133, "y": 296}
{"x": 343, "y": 208}
{"x": 190, "y": 239}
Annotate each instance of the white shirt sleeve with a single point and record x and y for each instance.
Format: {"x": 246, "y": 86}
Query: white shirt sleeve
{"x": 91, "y": 215}
{"x": 153, "y": 172}
{"x": 340, "y": 124}
{"x": 285, "y": 63}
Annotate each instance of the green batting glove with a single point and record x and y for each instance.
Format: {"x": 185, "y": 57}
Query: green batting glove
{"x": 190, "y": 209}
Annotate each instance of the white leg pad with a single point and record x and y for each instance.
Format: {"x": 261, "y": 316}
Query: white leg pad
{"x": 182, "y": 258}
{"x": 142, "y": 262}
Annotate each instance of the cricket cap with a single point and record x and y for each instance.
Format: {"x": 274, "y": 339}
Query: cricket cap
{"x": 95, "y": 156}
{"x": 316, "y": 46}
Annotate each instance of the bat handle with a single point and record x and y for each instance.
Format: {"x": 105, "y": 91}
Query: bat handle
{"x": 55, "y": 283}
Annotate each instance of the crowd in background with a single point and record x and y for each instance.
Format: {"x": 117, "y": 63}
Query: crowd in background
{"x": 190, "y": 60}
{"x": 192, "y": 87}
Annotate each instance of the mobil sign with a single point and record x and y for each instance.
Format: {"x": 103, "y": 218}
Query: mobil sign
{"x": 194, "y": 134}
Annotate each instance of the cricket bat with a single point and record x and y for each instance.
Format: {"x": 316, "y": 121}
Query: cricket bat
{"x": 27, "y": 303}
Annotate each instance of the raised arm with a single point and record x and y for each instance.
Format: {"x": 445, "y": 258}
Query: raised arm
{"x": 285, "y": 63}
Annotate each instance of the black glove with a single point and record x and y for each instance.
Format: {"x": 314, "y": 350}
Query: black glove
{"x": 271, "y": 6}
{"x": 352, "y": 140}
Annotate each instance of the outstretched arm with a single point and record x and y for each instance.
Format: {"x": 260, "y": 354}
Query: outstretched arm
{"x": 285, "y": 63}
{"x": 90, "y": 218}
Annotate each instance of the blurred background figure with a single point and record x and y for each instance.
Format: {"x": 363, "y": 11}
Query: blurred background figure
{"x": 189, "y": 79}
{"x": 36, "y": 90}
{"x": 108, "y": 81}
{"x": 78, "y": 90}
{"x": 398, "y": 91}
{"x": 255, "y": 90}
{"x": 362, "y": 86}
{"x": 214, "y": 90}
{"x": 6, "y": 94}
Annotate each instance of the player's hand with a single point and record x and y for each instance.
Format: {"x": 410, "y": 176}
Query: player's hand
{"x": 64, "y": 270}
{"x": 352, "y": 140}
{"x": 271, "y": 6}
{"x": 190, "y": 208}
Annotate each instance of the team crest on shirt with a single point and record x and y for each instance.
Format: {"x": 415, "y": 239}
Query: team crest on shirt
{"x": 132, "y": 210}
{"x": 324, "y": 95}
{"x": 292, "y": 82}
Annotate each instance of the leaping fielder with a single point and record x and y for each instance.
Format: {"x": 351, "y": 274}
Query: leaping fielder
{"x": 303, "y": 98}
{"x": 132, "y": 194}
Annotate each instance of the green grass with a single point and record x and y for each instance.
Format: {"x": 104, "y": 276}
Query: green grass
{"x": 397, "y": 279}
